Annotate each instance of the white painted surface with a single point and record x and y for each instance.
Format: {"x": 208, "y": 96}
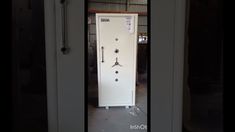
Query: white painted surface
{"x": 121, "y": 92}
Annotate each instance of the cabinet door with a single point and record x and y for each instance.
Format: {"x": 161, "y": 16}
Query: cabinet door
{"x": 116, "y": 49}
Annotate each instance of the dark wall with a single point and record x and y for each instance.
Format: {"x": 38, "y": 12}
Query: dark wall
{"x": 205, "y": 45}
{"x": 28, "y": 67}
{"x": 203, "y": 100}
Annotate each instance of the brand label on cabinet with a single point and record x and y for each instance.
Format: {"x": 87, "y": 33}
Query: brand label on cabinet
{"x": 105, "y": 20}
{"x": 130, "y": 24}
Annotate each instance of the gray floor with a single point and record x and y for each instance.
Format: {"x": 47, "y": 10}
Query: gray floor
{"x": 117, "y": 119}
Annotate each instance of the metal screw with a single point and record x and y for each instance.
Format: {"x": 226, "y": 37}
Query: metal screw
{"x": 116, "y": 51}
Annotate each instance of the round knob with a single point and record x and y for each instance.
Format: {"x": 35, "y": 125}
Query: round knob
{"x": 116, "y": 51}
{"x": 65, "y": 50}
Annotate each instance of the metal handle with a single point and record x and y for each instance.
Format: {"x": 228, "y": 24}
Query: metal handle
{"x": 102, "y": 57}
{"x": 65, "y": 48}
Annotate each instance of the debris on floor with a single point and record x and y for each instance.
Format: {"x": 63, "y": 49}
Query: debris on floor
{"x": 134, "y": 111}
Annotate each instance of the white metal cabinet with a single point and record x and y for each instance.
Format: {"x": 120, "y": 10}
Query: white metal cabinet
{"x": 116, "y": 58}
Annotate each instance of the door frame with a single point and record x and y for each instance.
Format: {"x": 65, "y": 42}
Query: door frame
{"x": 177, "y": 11}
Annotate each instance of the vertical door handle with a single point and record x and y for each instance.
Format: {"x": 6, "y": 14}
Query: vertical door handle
{"x": 102, "y": 57}
{"x": 65, "y": 48}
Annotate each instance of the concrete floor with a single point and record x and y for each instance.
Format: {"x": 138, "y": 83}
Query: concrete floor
{"x": 117, "y": 119}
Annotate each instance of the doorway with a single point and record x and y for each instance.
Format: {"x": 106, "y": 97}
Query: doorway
{"x": 118, "y": 118}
